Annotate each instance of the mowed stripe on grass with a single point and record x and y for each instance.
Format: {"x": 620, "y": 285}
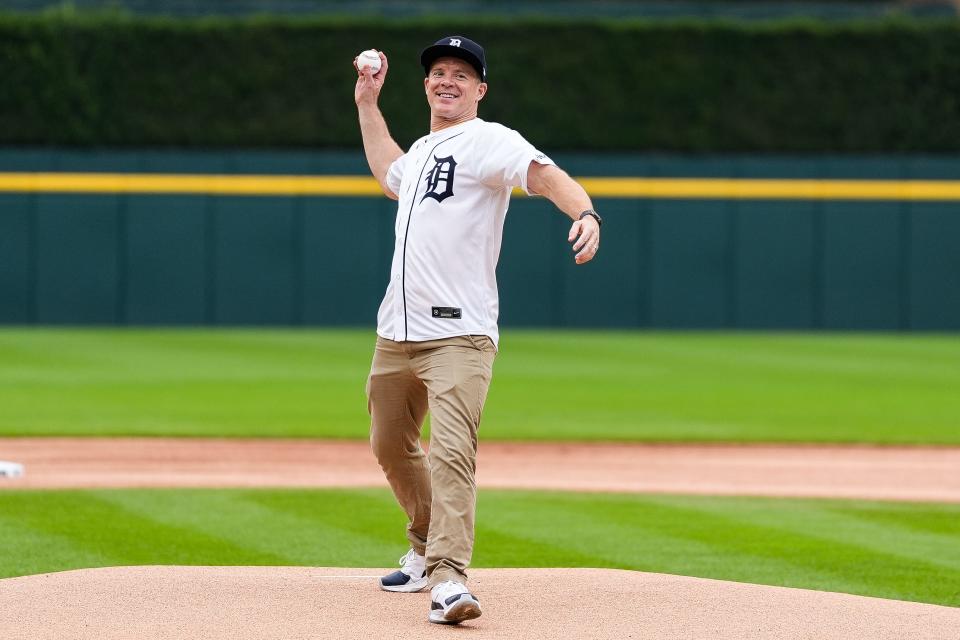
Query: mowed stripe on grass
{"x": 548, "y": 385}
{"x": 890, "y": 550}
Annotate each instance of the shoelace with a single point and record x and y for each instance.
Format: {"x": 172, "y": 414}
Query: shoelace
{"x": 408, "y": 560}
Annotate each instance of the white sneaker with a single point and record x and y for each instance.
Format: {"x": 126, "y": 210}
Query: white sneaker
{"x": 411, "y": 577}
{"x": 451, "y": 603}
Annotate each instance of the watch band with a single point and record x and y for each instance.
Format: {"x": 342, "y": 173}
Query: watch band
{"x": 594, "y": 214}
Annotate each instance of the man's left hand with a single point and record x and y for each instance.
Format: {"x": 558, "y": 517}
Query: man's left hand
{"x": 586, "y": 232}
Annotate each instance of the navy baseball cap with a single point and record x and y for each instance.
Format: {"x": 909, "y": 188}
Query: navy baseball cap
{"x": 456, "y": 47}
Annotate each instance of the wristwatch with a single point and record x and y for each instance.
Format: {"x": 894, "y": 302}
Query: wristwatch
{"x": 594, "y": 214}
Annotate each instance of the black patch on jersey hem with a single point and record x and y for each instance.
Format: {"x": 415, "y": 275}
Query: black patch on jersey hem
{"x": 450, "y": 313}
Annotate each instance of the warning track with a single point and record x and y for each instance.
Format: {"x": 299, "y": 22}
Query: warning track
{"x": 863, "y": 472}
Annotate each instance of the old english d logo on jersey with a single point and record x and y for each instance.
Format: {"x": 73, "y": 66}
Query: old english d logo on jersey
{"x": 441, "y": 174}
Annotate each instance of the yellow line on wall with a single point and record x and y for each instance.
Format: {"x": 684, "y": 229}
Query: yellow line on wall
{"x": 297, "y": 185}
{"x": 239, "y": 185}
{"x": 754, "y": 189}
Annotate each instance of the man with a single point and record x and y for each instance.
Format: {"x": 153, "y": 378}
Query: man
{"x": 437, "y": 325}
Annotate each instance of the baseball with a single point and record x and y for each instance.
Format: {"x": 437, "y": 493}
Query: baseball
{"x": 369, "y": 59}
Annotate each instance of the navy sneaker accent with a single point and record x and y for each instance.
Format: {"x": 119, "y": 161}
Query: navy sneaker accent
{"x": 412, "y": 577}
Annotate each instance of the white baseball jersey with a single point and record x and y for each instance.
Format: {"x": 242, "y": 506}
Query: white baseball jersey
{"x": 453, "y": 188}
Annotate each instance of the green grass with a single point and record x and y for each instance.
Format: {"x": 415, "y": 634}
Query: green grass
{"x": 547, "y": 385}
{"x": 890, "y": 550}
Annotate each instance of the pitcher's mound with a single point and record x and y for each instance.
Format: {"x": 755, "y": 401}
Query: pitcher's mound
{"x": 172, "y": 603}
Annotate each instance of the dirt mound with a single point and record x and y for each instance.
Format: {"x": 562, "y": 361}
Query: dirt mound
{"x": 289, "y": 603}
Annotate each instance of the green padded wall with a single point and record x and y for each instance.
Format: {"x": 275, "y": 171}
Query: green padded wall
{"x": 862, "y": 253}
{"x": 166, "y": 260}
{"x": 255, "y": 260}
{"x": 665, "y": 263}
{"x": 775, "y": 275}
{"x": 532, "y": 256}
{"x": 934, "y": 271}
{"x": 932, "y": 276}
{"x": 78, "y": 269}
{"x": 609, "y": 289}
{"x": 346, "y": 246}
{"x": 16, "y": 244}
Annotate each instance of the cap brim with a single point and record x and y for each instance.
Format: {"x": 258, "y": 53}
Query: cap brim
{"x": 432, "y": 53}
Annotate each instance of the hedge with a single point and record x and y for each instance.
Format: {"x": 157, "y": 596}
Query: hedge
{"x": 888, "y": 86}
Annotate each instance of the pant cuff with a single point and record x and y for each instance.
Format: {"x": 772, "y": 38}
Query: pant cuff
{"x": 444, "y": 574}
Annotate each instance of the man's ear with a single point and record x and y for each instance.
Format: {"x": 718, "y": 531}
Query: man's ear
{"x": 425, "y": 80}
{"x": 481, "y": 91}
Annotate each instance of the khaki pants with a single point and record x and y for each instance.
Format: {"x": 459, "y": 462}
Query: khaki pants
{"x": 450, "y": 378}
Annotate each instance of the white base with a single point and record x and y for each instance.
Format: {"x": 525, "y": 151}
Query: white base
{"x": 10, "y": 469}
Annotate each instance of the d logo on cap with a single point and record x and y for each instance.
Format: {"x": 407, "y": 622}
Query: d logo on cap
{"x": 454, "y": 42}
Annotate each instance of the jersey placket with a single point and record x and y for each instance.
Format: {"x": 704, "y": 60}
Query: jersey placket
{"x": 399, "y": 251}
{"x": 403, "y": 238}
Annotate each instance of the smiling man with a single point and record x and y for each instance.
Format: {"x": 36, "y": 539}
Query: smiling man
{"x": 437, "y": 331}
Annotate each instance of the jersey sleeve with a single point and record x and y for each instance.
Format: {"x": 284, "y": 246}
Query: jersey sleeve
{"x": 506, "y": 158}
{"x": 395, "y": 173}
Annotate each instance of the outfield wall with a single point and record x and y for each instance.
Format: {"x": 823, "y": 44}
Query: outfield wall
{"x": 876, "y": 258}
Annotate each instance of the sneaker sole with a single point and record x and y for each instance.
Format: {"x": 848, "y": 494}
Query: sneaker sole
{"x": 411, "y": 587}
{"x": 463, "y": 610}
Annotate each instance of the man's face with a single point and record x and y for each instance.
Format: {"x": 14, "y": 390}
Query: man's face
{"x": 453, "y": 88}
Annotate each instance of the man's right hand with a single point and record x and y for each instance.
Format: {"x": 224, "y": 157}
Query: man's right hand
{"x": 369, "y": 84}
{"x": 381, "y": 149}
